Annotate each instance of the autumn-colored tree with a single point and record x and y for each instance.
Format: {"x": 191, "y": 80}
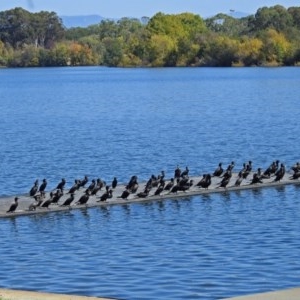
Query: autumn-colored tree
{"x": 276, "y": 49}
{"x": 160, "y": 48}
{"x": 249, "y": 52}
{"x": 80, "y": 55}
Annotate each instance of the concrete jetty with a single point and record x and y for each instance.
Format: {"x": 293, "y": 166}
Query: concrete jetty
{"x": 25, "y": 200}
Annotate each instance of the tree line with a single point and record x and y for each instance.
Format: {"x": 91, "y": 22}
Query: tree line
{"x": 269, "y": 37}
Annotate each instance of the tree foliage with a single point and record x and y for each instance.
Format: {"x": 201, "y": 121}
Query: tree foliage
{"x": 18, "y": 27}
{"x": 269, "y": 37}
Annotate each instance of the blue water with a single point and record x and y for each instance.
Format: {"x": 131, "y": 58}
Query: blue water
{"x": 68, "y": 122}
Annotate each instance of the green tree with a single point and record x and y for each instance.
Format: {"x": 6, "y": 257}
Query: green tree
{"x": 276, "y": 17}
{"x": 18, "y": 27}
{"x": 59, "y": 55}
{"x": 47, "y": 29}
{"x": 113, "y": 53}
{"x": 221, "y": 51}
{"x": 15, "y": 27}
{"x": 108, "y": 29}
{"x": 295, "y": 14}
{"x": 227, "y": 25}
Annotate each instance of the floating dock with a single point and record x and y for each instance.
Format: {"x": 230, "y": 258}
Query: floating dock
{"x": 25, "y": 200}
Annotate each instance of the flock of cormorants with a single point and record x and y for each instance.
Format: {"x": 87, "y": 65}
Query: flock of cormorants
{"x": 180, "y": 182}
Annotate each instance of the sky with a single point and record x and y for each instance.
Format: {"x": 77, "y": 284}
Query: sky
{"x": 140, "y": 8}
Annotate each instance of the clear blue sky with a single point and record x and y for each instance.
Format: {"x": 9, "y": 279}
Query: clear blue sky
{"x": 140, "y": 8}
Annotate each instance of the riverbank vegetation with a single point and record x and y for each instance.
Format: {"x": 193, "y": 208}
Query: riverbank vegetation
{"x": 270, "y": 37}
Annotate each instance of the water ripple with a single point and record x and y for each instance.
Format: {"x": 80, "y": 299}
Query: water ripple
{"x": 113, "y": 122}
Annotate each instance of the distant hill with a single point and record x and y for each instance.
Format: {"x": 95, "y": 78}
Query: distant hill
{"x": 85, "y": 21}
{"x": 81, "y": 21}
{"x": 238, "y": 14}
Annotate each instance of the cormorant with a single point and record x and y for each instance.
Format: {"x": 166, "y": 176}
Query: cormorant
{"x": 61, "y": 185}
{"x": 218, "y": 171}
{"x": 114, "y": 183}
{"x": 48, "y": 202}
{"x": 13, "y": 206}
{"x": 159, "y": 190}
{"x": 84, "y": 181}
{"x": 280, "y": 173}
{"x": 256, "y": 179}
{"x": 43, "y": 186}
{"x": 207, "y": 182}
{"x": 69, "y": 200}
{"x": 169, "y": 185}
{"x": 177, "y": 172}
{"x": 239, "y": 179}
{"x": 84, "y": 198}
{"x": 92, "y": 185}
{"x": 185, "y": 172}
{"x": 74, "y": 187}
{"x": 124, "y": 194}
{"x": 56, "y": 196}
{"x": 202, "y": 180}
{"x": 34, "y": 189}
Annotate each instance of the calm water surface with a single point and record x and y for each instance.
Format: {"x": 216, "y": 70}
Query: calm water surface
{"x": 68, "y": 122}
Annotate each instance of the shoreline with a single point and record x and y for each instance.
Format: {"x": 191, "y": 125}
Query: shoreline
{"x": 9, "y": 294}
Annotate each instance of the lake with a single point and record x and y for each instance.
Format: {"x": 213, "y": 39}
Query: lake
{"x": 106, "y": 122}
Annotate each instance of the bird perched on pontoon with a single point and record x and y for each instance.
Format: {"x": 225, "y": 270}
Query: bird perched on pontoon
{"x": 239, "y": 179}
{"x": 13, "y": 206}
{"x": 206, "y": 182}
{"x": 160, "y": 189}
{"x": 68, "y": 201}
{"x": 61, "y": 185}
{"x": 38, "y": 201}
{"x": 34, "y": 189}
{"x": 280, "y": 173}
{"x": 169, "y": 185}
{"x": 218, "y": 171}
{"x": 84, "y": 198}
{"x": 114, "y": 183}
{"x": 47, "y": 203}
{"x": 43, "y": 186}
{"x": 124, "y": 194}
{"x": 185, "y": 172}
{"x": 107, "y": 194}
{"x": 202, "y": 180}
{"x": 256, "y": 179}
{"x": 84, "y": 181}
{"x": 58, "y": 194}
{"x": 74, "y": 187}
